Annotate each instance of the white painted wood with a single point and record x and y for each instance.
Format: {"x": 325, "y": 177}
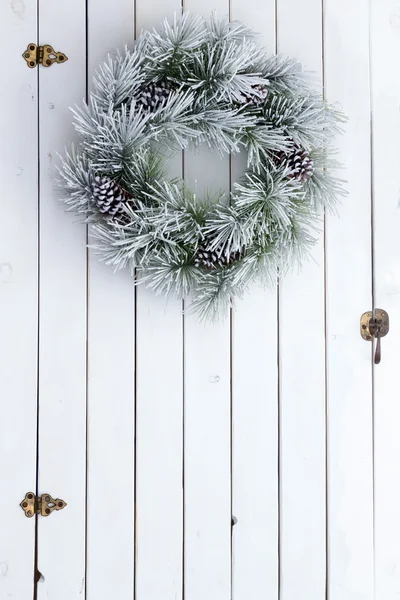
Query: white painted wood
{"x": 18, "y": 298}
{"x": 255, "y": 448}
{"x": 348, "y": 291}
{"x": 207, "y": 461}
{"x": 207, "y": 444}
{"x": 111, "y": 403}
{"x": 385, "y": 37}
{"x": 196, "y": 385}
{"x": 255, "y": 402}
{"x": 62, "y": 318}
{"x": 302, "y": 369}
{"x": 159, "y": 381}
{"x": 159, "y": 501}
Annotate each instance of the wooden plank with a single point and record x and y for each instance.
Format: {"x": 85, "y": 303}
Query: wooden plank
{"x": 348, "y": 292}
{"x": 207, "y": 409}
{"x": 111, "y": 335}
{"x": 385, "y": 28}
{"x": 62, "y": 319}
{"x": 255, "y": 402}
{"x": 159, "y": 389}
{"x": 159, "y": 510}
{"x": 18, "y": 298}
{"x": 207, "y": 460}
{"x": 302, "y": 369}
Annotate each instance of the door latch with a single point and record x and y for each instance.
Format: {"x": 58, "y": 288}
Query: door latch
{"x": 375, "y": 325}
{"x": 42, "y": 55}
{"x": 41, "y": 505}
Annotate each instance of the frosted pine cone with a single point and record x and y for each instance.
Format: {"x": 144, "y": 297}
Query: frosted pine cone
{"x": 109, "y": 196}
{"x": 257, "y": 97}
{"x": 299, "y": 162}
{"x": 212, "y": 259}
{"x": 155, "y": 95}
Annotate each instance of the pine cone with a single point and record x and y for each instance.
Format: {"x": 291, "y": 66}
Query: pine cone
{"x": 109, "y": 196}
{"x": 299, "y": 162}
{"x": 155, "y": 95}
{"x": 212, "y": 259}
{"x": 257, "y": 97}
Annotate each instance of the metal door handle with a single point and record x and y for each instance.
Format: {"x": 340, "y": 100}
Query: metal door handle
{"x": 375, "y": 325}
{"x": 378, "y": 353}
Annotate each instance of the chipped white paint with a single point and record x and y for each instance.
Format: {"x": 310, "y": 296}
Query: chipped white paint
{"x": 394, "y": 19}
{"x": 229, "y": 473}
{"x": 18, "y": 8}
{"x": 6, "y": 272}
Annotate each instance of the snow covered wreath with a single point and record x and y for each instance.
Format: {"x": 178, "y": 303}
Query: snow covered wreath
{"x": 201, "y": 82}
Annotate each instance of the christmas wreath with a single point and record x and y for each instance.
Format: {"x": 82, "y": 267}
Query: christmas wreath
{"x": 199, "y": 82}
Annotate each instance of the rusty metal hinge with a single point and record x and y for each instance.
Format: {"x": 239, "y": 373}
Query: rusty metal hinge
{"x": 375, "y": 324}
{"x": 42, "y": 55}
{"x": 41, "y": 505}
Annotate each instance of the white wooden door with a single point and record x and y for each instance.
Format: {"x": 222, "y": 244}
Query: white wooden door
{"x": 256, "y": 458}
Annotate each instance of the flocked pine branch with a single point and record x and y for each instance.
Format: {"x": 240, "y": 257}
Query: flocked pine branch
{"x": 202, "y": 82}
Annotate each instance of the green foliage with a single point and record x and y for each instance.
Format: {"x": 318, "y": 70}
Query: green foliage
{"x": 211, "y": 70}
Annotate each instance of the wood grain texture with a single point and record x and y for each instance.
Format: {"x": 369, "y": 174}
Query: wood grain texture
{"x": 385, "y": 38}
{"x": 111, "y": 402}
{"x": 62, "y": 318}
{"x": 255, "y": 560}
{"x": 302, "y": 367}
{"x": 348, "y": 293}
{"x": 18, "y": 298}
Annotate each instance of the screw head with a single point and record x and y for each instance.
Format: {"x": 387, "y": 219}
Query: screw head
{"x": 31, "y": 47}
{"x": 47, "y": 511}
{"x": 364, "y": 326}
{"x": 29, "y": 513}
{"x": 24, "y": 504}
{"x": 47, "y": 498}
{"x": 32, "y": 63}
{"x": 60, "y": 504}
{"x": 369, "y": 338}
{"x": 30, "y": 496}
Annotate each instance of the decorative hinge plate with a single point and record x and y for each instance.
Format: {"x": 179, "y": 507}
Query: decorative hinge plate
{"x": 375, "y": 325}
{"x": 41, "y": 505}
{"x": 372, "y": 324}
{"x": 42, "y": 55}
